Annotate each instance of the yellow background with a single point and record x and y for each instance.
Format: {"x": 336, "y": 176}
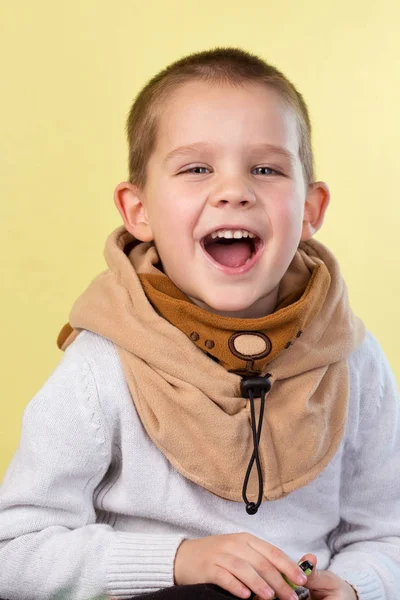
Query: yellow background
{"x": 69, "y": 73}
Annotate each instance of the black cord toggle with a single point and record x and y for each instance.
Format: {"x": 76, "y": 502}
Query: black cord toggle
{"x": 255, "y": 387}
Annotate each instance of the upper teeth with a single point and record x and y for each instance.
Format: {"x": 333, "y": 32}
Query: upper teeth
{"x": 232, "y": 233}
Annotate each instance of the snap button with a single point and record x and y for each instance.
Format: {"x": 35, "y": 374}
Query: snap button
{"x": 194, "y": 336}
{"x": 249, "y": 344}
{"x": 210, "y": 344}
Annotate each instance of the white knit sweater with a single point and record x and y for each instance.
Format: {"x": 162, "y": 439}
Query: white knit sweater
{"x": 90, "y": 507}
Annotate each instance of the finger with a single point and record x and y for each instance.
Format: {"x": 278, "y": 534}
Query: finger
{"x": 244, "y": 571}
{"x": 226, "y": 580}
{"x": 281, "y": 561}
{"x": 283, "y": 589}
{"x": 257, "y": 572}
{"x": 322, "y": 581}
{"x": 308, "y": 559}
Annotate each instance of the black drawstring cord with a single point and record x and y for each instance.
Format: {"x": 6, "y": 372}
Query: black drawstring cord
{"x": 252, "y": 508}
{"x": 260, "y": 385}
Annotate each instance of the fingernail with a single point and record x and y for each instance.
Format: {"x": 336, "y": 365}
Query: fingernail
{"x": 294, "y": 597}
{"x": 301, "y": 578}
{"x": 269, "y": 592}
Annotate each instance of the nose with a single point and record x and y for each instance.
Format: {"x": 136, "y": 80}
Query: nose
{"x": 234, "y": 191}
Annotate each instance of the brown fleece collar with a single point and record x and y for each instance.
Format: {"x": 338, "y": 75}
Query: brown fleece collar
{"x": 242, "y": 346}
{"x": 190, "y": 405}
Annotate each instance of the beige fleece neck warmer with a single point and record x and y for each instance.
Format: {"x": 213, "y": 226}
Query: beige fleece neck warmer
{"x": 242, "y": 346}
{"x": 191, "y": 406}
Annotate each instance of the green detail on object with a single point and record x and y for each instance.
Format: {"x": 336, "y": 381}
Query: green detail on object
{"x": 304, "y": 566}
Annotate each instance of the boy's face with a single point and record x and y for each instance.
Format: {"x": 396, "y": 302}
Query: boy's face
{"x": 246, "y": 175}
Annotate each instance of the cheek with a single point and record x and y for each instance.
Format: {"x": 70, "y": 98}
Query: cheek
{"x": 287, "y": 215}
{"x": 178, "y": 212}
{"x": 173, "y": 222}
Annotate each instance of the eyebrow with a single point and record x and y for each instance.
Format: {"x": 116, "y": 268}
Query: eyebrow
{"x": 202, "y": 146}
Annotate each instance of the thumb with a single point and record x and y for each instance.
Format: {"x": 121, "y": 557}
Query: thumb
{"x": 321, "y": 581}
{"x": 310, "y": 558}
{"x": 316, "y": 580}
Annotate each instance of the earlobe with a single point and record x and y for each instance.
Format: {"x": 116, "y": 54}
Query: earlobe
{"x": 317, "y": 202}
{"x": 130, "y": 204}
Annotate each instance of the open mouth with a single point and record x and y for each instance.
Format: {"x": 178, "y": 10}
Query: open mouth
{"x": 232, "y": 253}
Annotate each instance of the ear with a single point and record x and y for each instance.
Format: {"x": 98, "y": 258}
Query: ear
{"x": 130, "y": 203}
{"x": 317, "y": 202}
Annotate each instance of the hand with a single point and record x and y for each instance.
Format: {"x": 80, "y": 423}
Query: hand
{"x": 325, "y": 585}
{"x": 239, "y": 563}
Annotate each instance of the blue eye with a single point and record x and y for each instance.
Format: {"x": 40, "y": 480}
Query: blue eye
{"x": 271, "y": 171}
{"x": 196, "y": 171}
{"x": 193, "y": 169}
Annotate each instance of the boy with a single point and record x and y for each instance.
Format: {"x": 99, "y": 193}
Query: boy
{"x": 217, "y": 361}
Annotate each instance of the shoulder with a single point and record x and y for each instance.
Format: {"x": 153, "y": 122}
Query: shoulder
{"x": 102, "y": 361}
{"x": 94, "y": 349}
{"x": 65, "y": 417}
{"x": 368, "y": 354}
{"x": 369, "y": 367}
{"x": 373, "y": 388}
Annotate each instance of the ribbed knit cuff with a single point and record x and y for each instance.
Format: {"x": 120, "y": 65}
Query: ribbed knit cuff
{"x": 365, "y": 582}
{"x": 141, "y": 563}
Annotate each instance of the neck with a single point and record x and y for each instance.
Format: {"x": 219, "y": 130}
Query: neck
{"x": 261, "y": 308}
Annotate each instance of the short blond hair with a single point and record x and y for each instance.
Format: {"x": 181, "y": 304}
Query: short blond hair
{"x": 217, "y": 66}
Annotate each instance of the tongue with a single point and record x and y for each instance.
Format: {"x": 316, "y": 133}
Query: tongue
{"x": 233, "y": 255}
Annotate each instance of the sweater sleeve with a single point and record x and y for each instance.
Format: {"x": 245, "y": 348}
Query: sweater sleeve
{"x": 366, "y": 544}
{"x": 50, "y": 544}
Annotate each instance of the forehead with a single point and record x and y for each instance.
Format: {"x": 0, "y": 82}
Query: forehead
{"x": 226, "y": 115}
